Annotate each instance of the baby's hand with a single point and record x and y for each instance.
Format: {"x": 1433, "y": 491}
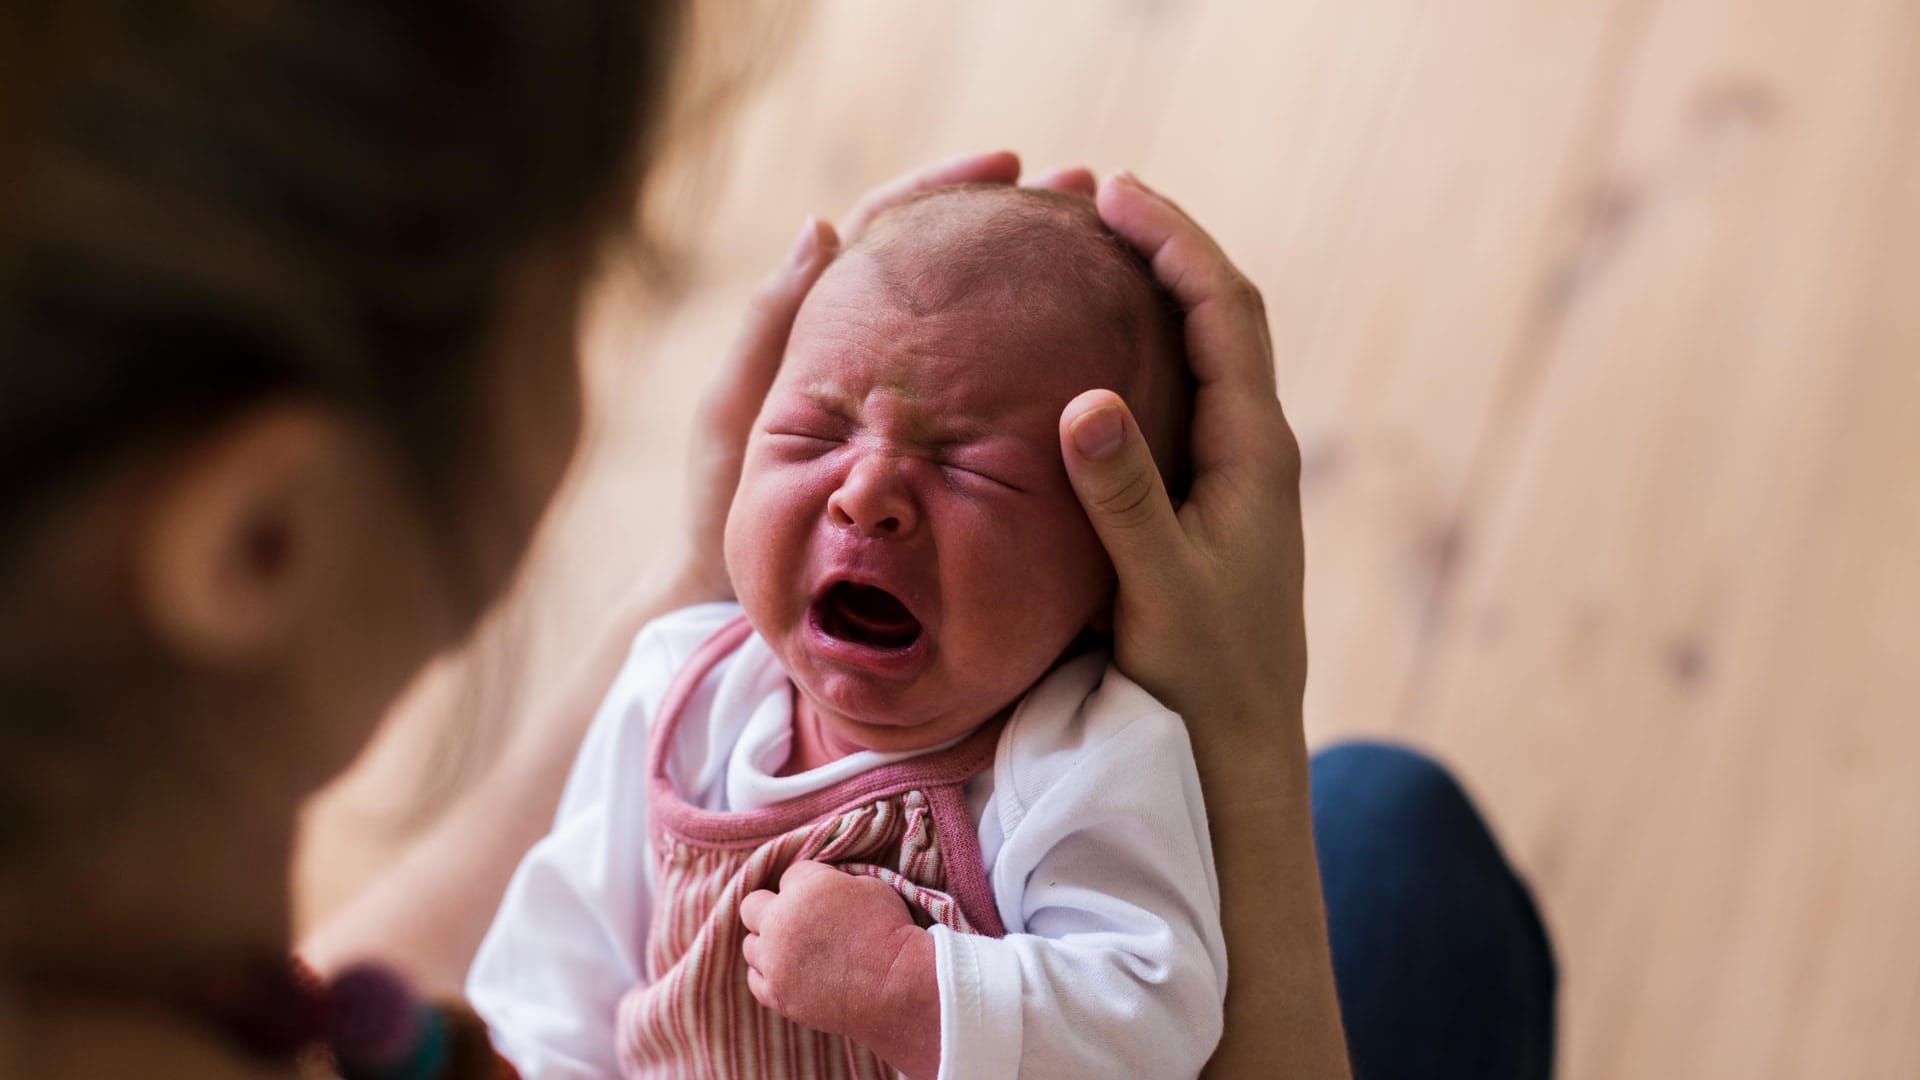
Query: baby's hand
{"x": 839, "y": 952}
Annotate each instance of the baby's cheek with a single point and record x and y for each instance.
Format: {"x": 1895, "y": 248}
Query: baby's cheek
{"x": 1054, "y": 576}
{"x": 765, "y": 540}
{"x": 1077, "y": 550}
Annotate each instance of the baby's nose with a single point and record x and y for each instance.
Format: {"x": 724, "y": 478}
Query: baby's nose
{"x": 875, "y": 499}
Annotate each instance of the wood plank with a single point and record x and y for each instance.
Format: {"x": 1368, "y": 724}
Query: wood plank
{"x": 1640, "y": 662}
{"x": 1406, "y": 342}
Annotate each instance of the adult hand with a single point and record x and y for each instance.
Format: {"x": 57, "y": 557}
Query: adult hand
{"x": 1209, "y": 619}
{"x": 1209, "y": 613}
{"x": 733, "y": 400}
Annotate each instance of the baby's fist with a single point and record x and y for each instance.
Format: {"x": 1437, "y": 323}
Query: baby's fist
{"x": 835, "y": 951}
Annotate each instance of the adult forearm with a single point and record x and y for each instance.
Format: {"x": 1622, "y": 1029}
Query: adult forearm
{"x": 427, "y": 914}
{"x": 1282, "y": 1016}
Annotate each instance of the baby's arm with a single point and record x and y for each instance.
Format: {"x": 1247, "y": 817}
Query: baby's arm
{"x": 1116, "y": 965}
{"x": 1120, "y": 965}
{"x": 839, "y": 952}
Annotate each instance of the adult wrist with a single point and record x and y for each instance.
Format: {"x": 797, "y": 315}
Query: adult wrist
{"x": 1249, "y": 746}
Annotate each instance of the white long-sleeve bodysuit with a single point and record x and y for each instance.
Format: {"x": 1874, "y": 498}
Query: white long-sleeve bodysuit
{"x": 1090, "y": 826}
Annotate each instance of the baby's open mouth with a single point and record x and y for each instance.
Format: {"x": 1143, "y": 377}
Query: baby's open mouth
{"x": 867, "y": 616}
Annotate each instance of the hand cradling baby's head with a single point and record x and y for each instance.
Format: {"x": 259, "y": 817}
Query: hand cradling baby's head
{"x": 904, "y": 536}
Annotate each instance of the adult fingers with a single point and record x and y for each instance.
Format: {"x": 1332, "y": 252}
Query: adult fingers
{"x": 1228, "y": 347}
{"x": 733, "y": 399}
{"x": 750, "y": 948}
{"x": 999, "y": 167}
{"x": 1077, "y": 180}
{"x": 753, "y": 909}
{"x": 1226, "y": 315}
{"x": 1119, "y": 486}
{"x": 754, "y": 359}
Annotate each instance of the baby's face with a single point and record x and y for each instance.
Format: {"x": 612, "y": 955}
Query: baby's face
{"x": 904, "y": 535}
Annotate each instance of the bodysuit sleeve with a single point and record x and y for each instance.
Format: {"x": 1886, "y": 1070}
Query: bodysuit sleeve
{"x": 570, "y": 936}
{"x": 1114, "y": 963}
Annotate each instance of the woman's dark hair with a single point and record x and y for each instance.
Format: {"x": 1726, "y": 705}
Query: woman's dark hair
{"x": 211, "y": 201}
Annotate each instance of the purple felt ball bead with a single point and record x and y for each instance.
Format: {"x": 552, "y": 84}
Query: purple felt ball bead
{"x": 375, "y": 1019}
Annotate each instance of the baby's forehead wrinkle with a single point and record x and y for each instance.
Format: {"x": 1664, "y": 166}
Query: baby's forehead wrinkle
{"x": 828, "y": 394}
{"x": 901, "y": 399}
{"x": 1013, "y": 309}
{"x": 928, "y": 411}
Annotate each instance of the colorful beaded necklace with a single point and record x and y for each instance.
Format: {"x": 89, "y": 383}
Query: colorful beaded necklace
{"x": 365, "y": 1024}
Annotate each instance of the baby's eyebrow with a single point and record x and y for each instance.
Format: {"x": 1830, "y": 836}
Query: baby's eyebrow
{"x": 941, "y": 429}
{"x": 948, "y": 430}
{"x": 830, "y": 398}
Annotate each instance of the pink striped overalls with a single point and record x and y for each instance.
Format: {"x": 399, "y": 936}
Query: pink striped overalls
{"x": 906, "y": 824}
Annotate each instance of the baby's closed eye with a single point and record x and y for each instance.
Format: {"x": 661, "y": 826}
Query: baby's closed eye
{"x": 1009, "y": 461}
{"x": 793, "y": 432}
{"x": 794, "y": 446}
{"x": 971, "y": 470}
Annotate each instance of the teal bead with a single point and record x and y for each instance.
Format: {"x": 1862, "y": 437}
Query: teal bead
{"x": 426, "y": 1061}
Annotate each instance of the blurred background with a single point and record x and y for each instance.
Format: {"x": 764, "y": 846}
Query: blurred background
{"x": 1599, "y": 321}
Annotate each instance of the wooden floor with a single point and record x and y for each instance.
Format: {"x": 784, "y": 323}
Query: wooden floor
{"x": 1600, "y": 324}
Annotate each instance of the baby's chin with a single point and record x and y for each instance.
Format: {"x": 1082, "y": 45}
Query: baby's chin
{"x": 884, "y": 719}
{"x": 890, "y": 738}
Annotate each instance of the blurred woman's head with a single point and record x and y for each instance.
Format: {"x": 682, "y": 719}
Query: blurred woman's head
{"x": 287, "y": 298}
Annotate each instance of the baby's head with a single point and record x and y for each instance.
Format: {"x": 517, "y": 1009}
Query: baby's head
{"x": 904, "y": 535}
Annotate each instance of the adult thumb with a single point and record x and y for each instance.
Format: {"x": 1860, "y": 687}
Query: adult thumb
{"x": 1119, "y": 486}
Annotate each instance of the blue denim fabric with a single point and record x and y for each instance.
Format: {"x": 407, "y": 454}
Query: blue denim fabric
{"x": 1443, "y": 965}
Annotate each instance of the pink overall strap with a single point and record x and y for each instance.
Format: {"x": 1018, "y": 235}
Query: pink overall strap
{"x": 692, "y": 673}
{"x": 942, "y": 775}
{"x": 966, "y": 868}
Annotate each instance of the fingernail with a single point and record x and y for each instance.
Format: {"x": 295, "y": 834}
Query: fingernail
{"x": 1125, "y": 176}
{"x": 1097, "y": 433}
{"x": 803, "y": 246}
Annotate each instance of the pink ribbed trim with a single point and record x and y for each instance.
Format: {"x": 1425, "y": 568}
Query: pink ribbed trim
{"x": 966, "y": 869}
{"x": 942, "y": 775}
